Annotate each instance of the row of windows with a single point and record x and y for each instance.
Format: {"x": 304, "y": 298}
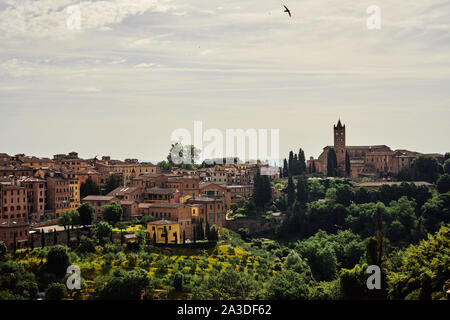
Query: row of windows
{"x": 5, "y": 193}
{"x": 11, "y": 208}
{"x": 161, "y": 214}
{"x": 12, "y": 216}
{"x": 12, "y": 200}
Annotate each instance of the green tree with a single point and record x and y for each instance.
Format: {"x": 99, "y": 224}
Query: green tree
{"x": 408, "y": 278}
{"x": 353, "y": 283}
{"x": 290, "y": 191}
{"x": 57, "y": 260}
{"x": 302, "y": 190}
{"x": 262, "y": 191}
{"x": 112, "y": 213}
{"x": 321, "y": 258}
{"x": 114, "y": 181}
{"x": 128, "y": 285}
{"x": 302, "y": 161}
{"x": 287, "y": 285}
{"x": 344, "y": 194}
{"x": 89, "y": 187}
{"x": 285, "y": 168}
{"x": 226, "y": 285}
{"x": 316, "y": 190}
{"x": 362, "y": 195}
{"x": 104, "y": 230}
{"x": 178, "y": 281}
{"x": 443, "y": 183}
{"x": 331, "y": 163}
{"x": 74, "y": 218}
{"x": 56, "y": 291}
{"x": 425, "y": 168}
{"x": 347, "y": 164}
{"x": 436, "y": 212}
{"x": 86, "y": 212}
{"x": 64, "y": 220}
{"x": 291, "y": 163}
{"x": 447, "y": 166}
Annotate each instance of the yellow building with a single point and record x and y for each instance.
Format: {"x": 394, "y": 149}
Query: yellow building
{"x": 36, "y": 163}
{"x": 74, "y": 197}
{"x": 74, "y": 190}
{"x": 131, "y": 170}
{"x": 161, "y": 227}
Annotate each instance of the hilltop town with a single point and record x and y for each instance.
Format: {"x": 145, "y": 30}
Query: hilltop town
{"x": 35, "y": 192}
{"x": 305, "y": 230}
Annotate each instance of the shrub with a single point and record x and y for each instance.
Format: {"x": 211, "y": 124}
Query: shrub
{"x": 55, "y": 291}
{"x": 57, "y": 260}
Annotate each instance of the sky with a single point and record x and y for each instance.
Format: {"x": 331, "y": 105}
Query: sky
{"x": 136, "y": 70}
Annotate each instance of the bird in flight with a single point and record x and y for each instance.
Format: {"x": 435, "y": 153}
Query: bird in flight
{"x": 287, "y": 10}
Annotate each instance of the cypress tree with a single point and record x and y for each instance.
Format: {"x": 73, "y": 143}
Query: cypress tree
{"x": 15, "y": 242}
{"x": 154, "y": 237}
{"x": 302, "y": 191}
{"x": 347, "y": 163}
{"x": 295, "y": 166}
{"x": 68, "y": 237}
{"x": 55, "y": 237}
{"x": 290, "y": 190}
{"x": 121, "y": 237}
{"x": 42, "y": 238}
{"x": 302, "y": 161}
{"x": 32, "y": 241}
{"x": 285, "y": 168}
{"x": 291, "y": 161}
{"x": 331, "y": 163}
{"x": 313, "y": 167}
{"x": 184, "y": 237}
{"x": 166, "y": 235}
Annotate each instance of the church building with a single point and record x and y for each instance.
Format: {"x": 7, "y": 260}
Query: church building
{"x": 378, "y": 161}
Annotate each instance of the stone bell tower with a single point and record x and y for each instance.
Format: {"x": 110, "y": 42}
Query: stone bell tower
{"x": 339, "y": 142}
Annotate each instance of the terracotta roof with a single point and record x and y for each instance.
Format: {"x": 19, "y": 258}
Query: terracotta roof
{"x": 122, "y": 190}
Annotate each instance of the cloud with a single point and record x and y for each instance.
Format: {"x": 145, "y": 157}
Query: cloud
{"x": 145, "y": 65}
{"x": 49, "y": 18}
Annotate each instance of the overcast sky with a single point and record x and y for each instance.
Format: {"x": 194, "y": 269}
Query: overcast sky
{"x": 138, "y": 69}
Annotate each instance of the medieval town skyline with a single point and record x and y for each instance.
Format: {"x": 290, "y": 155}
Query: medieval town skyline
{"x": 137, "y": 70}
